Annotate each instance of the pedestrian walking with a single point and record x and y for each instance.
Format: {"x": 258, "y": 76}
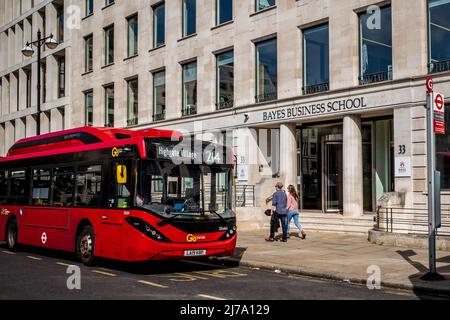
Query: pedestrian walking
{"x": 293, "y": 211}
{"x": 279, "y": 211}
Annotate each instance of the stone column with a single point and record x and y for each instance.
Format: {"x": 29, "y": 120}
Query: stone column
{"x": 288, "y": 154}
{"x": 352, "y": 166}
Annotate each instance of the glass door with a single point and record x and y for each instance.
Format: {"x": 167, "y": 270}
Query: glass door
{"x": 333, "y": 185}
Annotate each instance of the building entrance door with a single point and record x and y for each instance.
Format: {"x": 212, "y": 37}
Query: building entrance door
{"x": 332, "y": 175}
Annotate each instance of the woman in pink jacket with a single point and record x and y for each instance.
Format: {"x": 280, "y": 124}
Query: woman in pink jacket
{"x": 292, "y": 205}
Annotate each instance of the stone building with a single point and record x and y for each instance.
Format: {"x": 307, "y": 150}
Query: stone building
{"x": 326, "y": 95}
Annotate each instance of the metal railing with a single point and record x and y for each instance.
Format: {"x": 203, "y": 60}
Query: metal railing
{"x": 439, "y": 66}
{"x": 316, "y": 88}
{"x": 244, "y": 196}
{"x": 269, "y": 96}
{"x": 132, "y": 122}
{"x": 375, "y": 77}
{"x": 409, "y": 221}
{"x": 159, "y": 116}
{"x": 189, "y": 110}
{"x": 224, "y": 105}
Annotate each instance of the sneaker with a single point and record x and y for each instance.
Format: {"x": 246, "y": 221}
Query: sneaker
{"x": 303, "y": 235}
{"x": 283, "y": 240}
{"x": 270, "y": 239}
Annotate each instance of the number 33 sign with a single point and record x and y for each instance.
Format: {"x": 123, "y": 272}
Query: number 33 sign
{"x": 401, "y": 149}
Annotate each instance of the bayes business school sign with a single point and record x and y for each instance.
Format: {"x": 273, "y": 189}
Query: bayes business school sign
{"x": 315, "y": 109}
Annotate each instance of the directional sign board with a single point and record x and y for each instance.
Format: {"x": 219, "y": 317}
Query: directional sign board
{"x": 439, "y": 113}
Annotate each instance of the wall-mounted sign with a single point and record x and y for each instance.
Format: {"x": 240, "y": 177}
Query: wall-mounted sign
{"x": 439, "y": 113}
{"x": 315, "y": 109}
{"x": 402, "y": 167}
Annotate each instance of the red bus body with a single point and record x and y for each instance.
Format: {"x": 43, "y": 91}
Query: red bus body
{"x": 57, "y": 227}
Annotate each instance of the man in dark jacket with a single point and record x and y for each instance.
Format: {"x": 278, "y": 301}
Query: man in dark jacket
{"x": 279, "y": 211}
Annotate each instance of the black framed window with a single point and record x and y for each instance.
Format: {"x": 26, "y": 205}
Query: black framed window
{"x": 159, "y": 25}
{"x": 224, "y": 11}
{"x": 63, "y": 187}
{"x": 133, "y": 36}
{"x": 225, "y": 80}
{"x": 109, "y": 106}
{"x": 41, "y": 187}
{"x": 316, "y": 63}
{"x": 109, "y": 45}
{"x": 89, "y": 108}
{"x": 189, "y": 89}
{"x": 132, "y": 102}
{"x": 60, "y": 21}
{"x": 3, "y": 186}
{"x": 439, "y": 35}
{"x": 88, "y": 186}
{"x": 159, "y": 96}
{"x": 88, "y": 53}
{"x": 89, "y": 7}
{"x": 376, "y": 47}
{"x": 443, "y": 152}
{"x": 266, "y": 70}
{"x": 61, "y": 76}
{"x": 189, "y": 17}
{"x": 264, "y": 4}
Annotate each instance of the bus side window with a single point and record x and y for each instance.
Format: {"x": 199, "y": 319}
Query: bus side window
{"x": 88, "y": 186}
{"x": 41, "y": 187}
{"x": 63, "y": 187}
{"x": 3, "y": 187}
{"x": 121, "y": 188}
{"x": 18, "y": 187}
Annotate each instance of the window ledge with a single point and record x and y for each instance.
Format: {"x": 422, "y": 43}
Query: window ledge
{"x": 87, "y": 72}
{"x": 131, "y": 57}
{"x": 87, "y": 17}
{"x": 109, "y": 5}
{"x": 108, "y": 65}
{"x": 157, "y": 48}
{"x": 188, "y": 37}
{"x": 222, "y": 25}
{"x": 263, "y": 10}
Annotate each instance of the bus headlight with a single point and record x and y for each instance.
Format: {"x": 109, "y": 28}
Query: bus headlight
{"x": 146, "y": 229}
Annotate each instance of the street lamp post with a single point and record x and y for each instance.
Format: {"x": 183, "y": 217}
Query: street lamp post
{"x": 28, "y": 51}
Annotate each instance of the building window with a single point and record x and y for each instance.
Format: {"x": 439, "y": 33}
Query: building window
{"x": 159, "y": 96}
{"x": 89, "y": 108}
{"x": 376, "y": 48}
{"x": 266, "y": 70}
{"x": 28, "y": 76}
{"x": 60, "y": 21}
{"x": 439, "y": 37}
{"x": 88, "y": 53}
{"x": 316, "y": 60}
{"x": 189, "y": 17}
{"x": 159, "y": 27}
{"x": 264, "y": 4}
{"x": 225, "y": 80}
{"x": 109, "y": 106}
{"x": 189, "y": 89}
{"x": 109, "y": 2}
{"x": 132, "y": 36}
{"x": 132, "y": 105}
{"x": 109, "y": 45}
{"x": 224, "y": 11}
{"x": 89, "y": 7}
{"x": 61, "y": 77}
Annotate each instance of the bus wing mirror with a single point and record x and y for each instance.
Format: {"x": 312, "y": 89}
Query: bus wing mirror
{"x": 121, "y": 174}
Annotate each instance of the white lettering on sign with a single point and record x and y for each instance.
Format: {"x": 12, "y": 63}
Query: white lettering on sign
{"x": 321, "y": 108}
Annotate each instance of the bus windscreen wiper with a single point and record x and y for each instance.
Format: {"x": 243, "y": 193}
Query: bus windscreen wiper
{"x": 166, "y": 221}
{"x": 219, "y": 215}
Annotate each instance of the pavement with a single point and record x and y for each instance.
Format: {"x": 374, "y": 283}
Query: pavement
{"x": 343, "y": 257}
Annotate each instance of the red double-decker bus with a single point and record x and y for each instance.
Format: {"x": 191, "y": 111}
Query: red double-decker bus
{"x": 118, "y": 194}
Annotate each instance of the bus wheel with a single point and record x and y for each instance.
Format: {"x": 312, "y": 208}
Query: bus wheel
{"x": 85, "y": 246}
{"x": 12, "y": 233}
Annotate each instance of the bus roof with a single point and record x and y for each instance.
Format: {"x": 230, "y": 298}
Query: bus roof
{"x": 82, "y": 139}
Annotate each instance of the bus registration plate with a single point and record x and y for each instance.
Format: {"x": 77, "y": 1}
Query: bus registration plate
{"x": 194, "y": 253}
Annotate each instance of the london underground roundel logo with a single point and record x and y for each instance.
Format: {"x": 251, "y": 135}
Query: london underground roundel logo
{"x": 439, "y": 101}
{"x": 44, "y": 238}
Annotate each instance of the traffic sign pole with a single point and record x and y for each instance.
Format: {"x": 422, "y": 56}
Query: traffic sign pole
{"x": 432, "y": 275}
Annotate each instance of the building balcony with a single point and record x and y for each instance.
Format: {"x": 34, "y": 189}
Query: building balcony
{"x": 224, "y": 105}
{"x": 316, "y": 88}
{"x": 132, "y": 122}
{"x": 439, "y": 66}
{"x": 375, "y": 77}
{"x": 269, "y": 96}
{"x": 189, "y": 110}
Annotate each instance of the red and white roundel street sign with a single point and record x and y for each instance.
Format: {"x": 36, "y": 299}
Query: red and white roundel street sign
{"x": 439, "y": 102}
{"x": 430, "y": 85}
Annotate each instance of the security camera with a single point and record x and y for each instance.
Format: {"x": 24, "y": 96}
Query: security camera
{"x": 247, "y": 117}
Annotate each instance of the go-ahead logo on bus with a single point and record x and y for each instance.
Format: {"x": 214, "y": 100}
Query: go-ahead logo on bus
{"x": 194, "y": 238}
{"x": 4, "y": 212}
{"x": 115, "y": 152}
